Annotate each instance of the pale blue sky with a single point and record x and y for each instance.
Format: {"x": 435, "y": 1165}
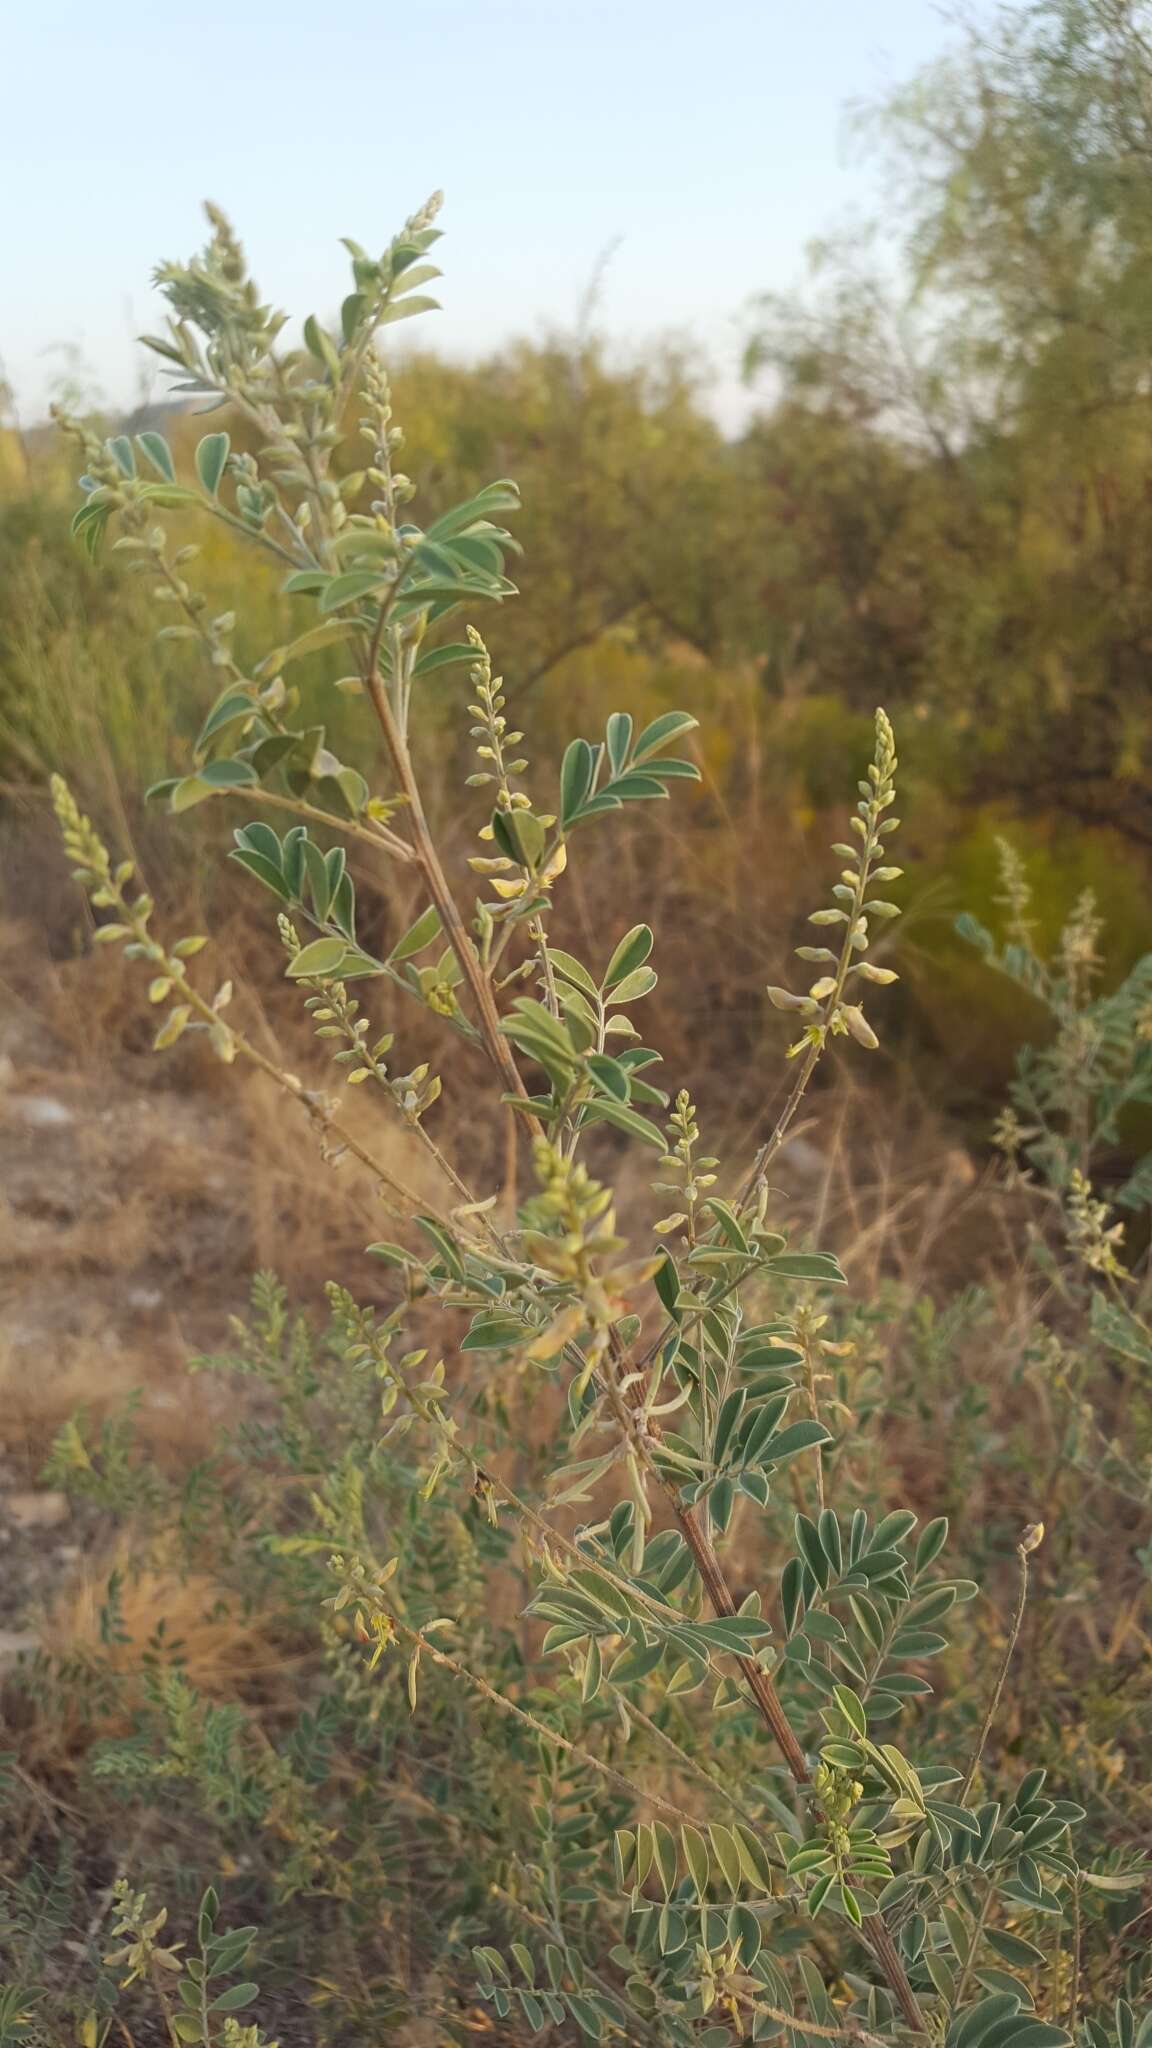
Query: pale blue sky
{"x": 708, "y": 137}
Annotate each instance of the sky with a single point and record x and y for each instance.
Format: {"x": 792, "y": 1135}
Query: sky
{"x": 701, "y": 142}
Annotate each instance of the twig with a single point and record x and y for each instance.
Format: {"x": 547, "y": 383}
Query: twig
{"x": 495, "y": 1044}
{"x": 1031, "y": 1540}
{"x": 815, "y": 2027}
{"x": 540, "y": 1728}
{"x": 1074, "y": 1992}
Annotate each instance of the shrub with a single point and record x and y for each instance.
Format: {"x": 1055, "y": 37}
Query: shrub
{"x": 653, "y": 1801}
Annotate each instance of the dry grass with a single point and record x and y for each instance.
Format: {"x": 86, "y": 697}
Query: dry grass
{"x": 222, "y": 1651}
{"x": 137, "y": 1197}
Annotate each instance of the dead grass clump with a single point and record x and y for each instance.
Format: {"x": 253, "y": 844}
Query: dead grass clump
{"x": 111, "y": 1631}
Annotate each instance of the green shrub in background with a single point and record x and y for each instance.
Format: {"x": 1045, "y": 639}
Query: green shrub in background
{"x": 1061, "y": 1137}
{"x": 559, "y": 1760}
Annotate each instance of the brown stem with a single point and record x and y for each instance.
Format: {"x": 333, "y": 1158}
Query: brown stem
{"x": 852, "y": 2032}
{"x": 497, "y": 1047}
{"x": 875, "y": 1931}
{"x": 876, "y": 1934}
{"x": 758, "y": 1682}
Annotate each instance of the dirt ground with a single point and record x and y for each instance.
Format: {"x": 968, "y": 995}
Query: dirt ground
{"x": 138, "y": 1196}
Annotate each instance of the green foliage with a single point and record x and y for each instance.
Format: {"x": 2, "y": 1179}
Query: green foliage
{"x": 504, "y": 1707}
{"x": 1072, "y": 1097}
{"x": 979, "y": 439}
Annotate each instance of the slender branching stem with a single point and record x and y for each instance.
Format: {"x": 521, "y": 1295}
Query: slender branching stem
{"x": 495, "y": 1044}
{"x": 1030, "y": 1541}
{"x": 539, "y": 1728}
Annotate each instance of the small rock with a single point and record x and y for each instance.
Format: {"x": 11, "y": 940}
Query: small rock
{"x": 36, "y": 1510}
{"x": 43, "y": 1112}
{"x": 145, "y": 1299}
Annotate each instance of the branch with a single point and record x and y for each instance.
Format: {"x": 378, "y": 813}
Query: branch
{"x": 495, "y": 1044}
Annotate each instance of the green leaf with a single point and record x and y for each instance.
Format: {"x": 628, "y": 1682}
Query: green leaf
{"x": 696, "y": 1857}
{"x": 265, "y": 871}
{"x": 426, "y": 928}
{"x": 188, "y": 792}
{"x": 503, "y": 496}
{"x": 440, "y": 657}
{"x": 445, "y": 1245}
{"x": 405, "y": 309}
{"x": 236, "y": 1996}
{"x": 576, "y": 775}
{"x": 639, "y": 983}
{"x": 159, "y": 454}
{"x": 830, "y": 1538}
{"x": 260, "y": 838}
{"x": 634, "y": 786}
{"x": 730, "y": 1413}
{"x": 350, "y": 587}
{"x": 807, "y": 1266}
{"x": 661, "y": 730}
{"x": 393, "y": 1254}
{"x": 812, "y": 1550}
{"x": 319, "y": 883}
{"x": 625, "y": 1119}
{"x": 567, "y": 965}
{"x": 352, "y": 313}
{"x": 211, "y": 455}
{"x": 852, "y": 1709}
{"x": 672, "y": 770}
{"x": 918, "y": 1642}
{"x": 610, "y": 1077}
{"x": 931, "y": 1543}
{"x": 893, "y": 1529}
{"x": 617, "y": 736}
{"x": 799, "y": 1436}
{"x": 226, "y": 1951}
{"x": 1014, "y": 1948}
{"x": 120, "y": 447}
{"x": 317, "y": 961}
{"x": 846, "y": 1756}
{"x": 233, "y": 705}
{"x": 585, "y": 2015}
{"x": 630, "y": 954}
{"x": 666, "y": 1281}
{"x": 665, "y": 1856}
{"x": 753, "y": 1857}
{"x": 744, "y": 1932}
{"x": 727, "y": 1854}
{"x": 496, "y": 1333}
{"x": 227, "y": 775}
{"x": 1000, "y": 2019}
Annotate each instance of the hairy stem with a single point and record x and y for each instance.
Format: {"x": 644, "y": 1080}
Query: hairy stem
{"x": 495, "y": 1044}
{"x": 1028, "y": 1542}
{"x": 539, "y": 1728}
{"x": 875, "y": 1931}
